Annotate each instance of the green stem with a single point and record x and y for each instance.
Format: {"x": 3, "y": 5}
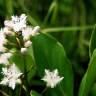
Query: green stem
{"x": 24, "y": 88}
{"x": 25, "y": 77}
{"x": 82, "y": 23}
{"x": 45, "y": 89}
{"x": 60, "y": 29}
{"x": 4, "y": 94}
{"x": 29, "y": 69}
{"x": 20, "y": 90}
{"x": 18, "y": 42}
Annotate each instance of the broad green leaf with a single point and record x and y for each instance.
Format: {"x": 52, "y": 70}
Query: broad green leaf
{"x": 92, "y": 45}
{"x": 93, "y": 90}
{"x": 49, "y": 54}
{"x": 89, "y": 77}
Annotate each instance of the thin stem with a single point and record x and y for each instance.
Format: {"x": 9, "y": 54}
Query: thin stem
{"x": 82, "y": 23}
{"x": 18, "y": 42}
{"x": 45, "y": 89}
{"x": 24, "y": 88}
{"x": 20, "y": 90}
{"x": 25, "y": 77}
{"x": 60, "y": 29}
{"x": 29, "y": 69}
{"x": 5, "y": 94}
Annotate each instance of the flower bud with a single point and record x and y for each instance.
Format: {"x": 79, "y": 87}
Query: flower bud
{"x": 28, "y": 43}
{"x": 8, "y": 32}
{"x": 23, "y": 50}
{"x": 8, "y": 23}
{"x": 35, "y": 30}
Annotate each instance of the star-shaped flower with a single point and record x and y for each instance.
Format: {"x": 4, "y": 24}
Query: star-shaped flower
{"x": 52, "y": 78}
{"x": 17, "y": 23}
{"x": 11, "y": 76}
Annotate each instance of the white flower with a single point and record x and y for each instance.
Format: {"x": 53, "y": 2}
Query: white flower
{"x": 27, "y": 32}
{"x": 16, "y": 23}
{"x": 19, "y": 22}
{"x": 52, "y": 78}
{"x": 4, "y": 58}
{"x": 28, "y": 43}
{"x": 11, "y": 76}
{"x": 23, "y": 50}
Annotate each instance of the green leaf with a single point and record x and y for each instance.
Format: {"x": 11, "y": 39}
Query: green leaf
{"x": 93, "y": 90}
{"x": 89, "y": 77}
{"x": 18, "y": 60}
{"x": 34, "y": 93}
{"x": 25, "y": 62}
{"x": 65, "y": 6}
{"x": 92, "y": 45}
{"x": 50, "y": 54}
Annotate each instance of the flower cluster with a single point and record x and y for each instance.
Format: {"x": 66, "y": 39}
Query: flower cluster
{"x": 17, "y": 26}
{"x": 14, "y": 36}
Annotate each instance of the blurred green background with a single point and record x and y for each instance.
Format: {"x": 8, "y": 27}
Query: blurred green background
{"x": 70, "y": 21}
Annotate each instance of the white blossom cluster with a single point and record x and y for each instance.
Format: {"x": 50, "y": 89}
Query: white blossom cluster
{"x": 18, "y": 24}
{"x": 17, "y": 28}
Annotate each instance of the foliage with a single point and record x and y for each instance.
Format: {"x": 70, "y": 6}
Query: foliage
{"x": 66, "y": 42}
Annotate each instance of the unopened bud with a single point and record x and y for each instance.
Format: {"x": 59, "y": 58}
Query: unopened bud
{"x": 23, "y": 50}
{"x": 8, "y": 23}
{"x": 8, "y": 32}
{"x": 35, "y": 30}
{"x": 28, "y": 43}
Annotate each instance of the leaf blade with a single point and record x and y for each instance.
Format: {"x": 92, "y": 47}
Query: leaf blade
{"x": 89, "y": 77}
{"x": 54, "y": 57}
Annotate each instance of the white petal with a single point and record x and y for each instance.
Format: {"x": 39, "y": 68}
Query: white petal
{"x": 12, "y": 83}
